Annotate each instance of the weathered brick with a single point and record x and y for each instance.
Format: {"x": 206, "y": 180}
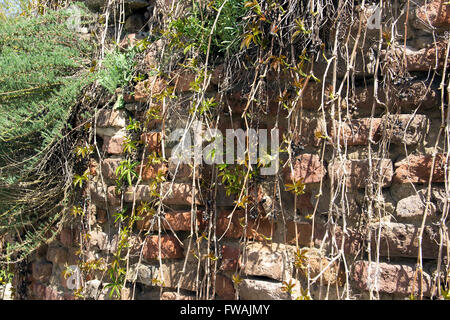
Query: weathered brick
{"x": 405, "y": 128}
{"x": 417, "y": 169}
{"x": 68, "y": 237}
{"x": 413, "y": 207}
{"x": 179, "y": 194}
{"x": 304, "y": 204}
{"x": 102, "y": 216}
{"x": 98, "y": 239}
{"x": 356, "y": 172}
{"x": 113, "y": 197}
{"x": 268, "y": 260}
{"x": 353, "y": 240}
{"x": 392, "y": 278}
{"x": 93, "y": 165}
{"x": 111, "y": 118}
{"x": 151, "y": 141}
{"x": 109, "y": 167}
{"x": 41, "y": 270}
{"x": 304, "y": 231}
{"x": 52, "y": 293}
{"x": 182, "y": 80}
{"x": 170, "y": 248}
{"x": 147, "y": 88}
{"x": 401, "y": 240}
{"x": 312, "y": 96}
{"x": 424, "y": 59}
{"x": 307, "y": 167}
{"x": 175, "y": 296}
{"x": 170, "y": 275}
{"x": 230, "y": 258}
{"x": 38, "y": 290}
{"x": 172, "y": 194}
{"x": 357, "y": 132}
{"x": 252, "y": 289}
{"x": 405, "y": 96}
{"x": 150, "y": 171}
{"x": 435, "y": 13}
{"x": 224, "y": 287}
{"x": 114, "y": 144}
{"x": 256, "y": 229}
{"x": 307, "y": 136}
{"x": 130, "y": 40}
{"x": 330, "y": 272}
{"x": 151, "y": 56}
{"x": 97, "y": 193}
{"x": 57, "y": 255}
{"x": 176, "y": 221}
{"x": 181, "y": 171}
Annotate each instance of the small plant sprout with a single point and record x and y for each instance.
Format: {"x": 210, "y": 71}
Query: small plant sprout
{"x": 288, "y": 286}
{"x": 78, "y": 180}
{"x": 297, "y": 187}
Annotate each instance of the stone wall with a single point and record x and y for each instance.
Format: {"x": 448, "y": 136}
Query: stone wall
{"x": 353, "y": 233}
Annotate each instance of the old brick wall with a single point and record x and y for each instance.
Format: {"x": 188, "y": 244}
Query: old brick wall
{"x": 365, "y": 170}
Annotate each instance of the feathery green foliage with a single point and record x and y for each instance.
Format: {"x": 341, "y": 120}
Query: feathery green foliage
{"x": 42, "y": 65}
{"x": 193, "y": 30}
{"x": 117, "y": 69}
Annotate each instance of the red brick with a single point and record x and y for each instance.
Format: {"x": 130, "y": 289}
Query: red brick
{"x": 307, "y": 167}
{"x": 172, "y": 194}
{"x": 114, "y": 144}
{"x": 41, "y": 270}
{"x": 425, "y": 59}
{"x": 304, "y": 204}
{"x": 150, "y": 171}
{"x": 224, "y": 288}
{"x": 256, "y": 229}
{"x": 434, "y": 12}
{"x": 182, "y": 80}
{"x": 417, "y": 169}
{"x": 393, "y": 278}
{"x": 180, "y": 194}
{"x": 176, "y": 221}
{"x": 170, "y": 248}
{"x": 147, "y": 88}
{"x": 304, "y": 231}
{"x": 68, "y": 237}
{"x": 356, "y": 132}
{"x": 230, "y": 258}
{"x": 357, "y": 172}
{"x": 151, "y": 141}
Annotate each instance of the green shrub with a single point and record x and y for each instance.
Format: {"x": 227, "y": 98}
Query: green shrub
{"x": 43, "y": 69}
{"x": 117, "y": 70}
{"x": 193, "y": 29}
